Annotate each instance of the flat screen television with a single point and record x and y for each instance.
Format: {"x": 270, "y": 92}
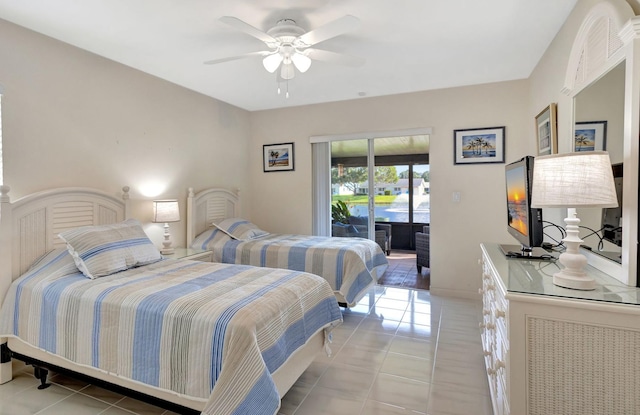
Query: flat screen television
{"x": 524, "y": 223}
{"x": 612, "y": 217}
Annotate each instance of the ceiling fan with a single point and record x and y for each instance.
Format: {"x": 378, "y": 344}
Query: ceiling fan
{"x": 290, "y": 45}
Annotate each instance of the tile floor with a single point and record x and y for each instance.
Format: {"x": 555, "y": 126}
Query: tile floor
{"x": 399, "y": 351}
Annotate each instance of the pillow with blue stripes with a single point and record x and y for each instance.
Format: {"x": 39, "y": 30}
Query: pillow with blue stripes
{"x": 210, "y": 238}
{"x": 240, "y": 229}
{"x": 55, "y": 263}
{"x": 106, "y": 249}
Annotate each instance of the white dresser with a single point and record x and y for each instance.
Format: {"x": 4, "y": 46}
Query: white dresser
{"x": 551, "y": 350}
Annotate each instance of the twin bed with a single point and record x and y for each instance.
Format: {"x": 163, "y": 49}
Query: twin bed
{"x": 350, "y": 265}
{"x": 212, "y": 337}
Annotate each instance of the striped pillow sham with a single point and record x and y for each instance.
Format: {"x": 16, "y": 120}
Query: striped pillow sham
{"x": 210, "y": 238}
{"x": 240, "y": 229}
{"x": 103, "y": 250}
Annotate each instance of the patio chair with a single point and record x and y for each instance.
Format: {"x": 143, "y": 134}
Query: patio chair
{"x": 422, "y": 248}
{"x": 382, "y": 231}
{"x": 383, "y": 236}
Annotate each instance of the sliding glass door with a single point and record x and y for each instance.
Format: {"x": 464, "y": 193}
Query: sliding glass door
{"x": 350, "y": 188}
{"x": 380, "y": 188}
{"x": 421, "y": 198}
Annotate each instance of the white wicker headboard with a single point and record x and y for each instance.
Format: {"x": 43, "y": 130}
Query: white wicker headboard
{"x": 29, "y": 227}
{"x": 209, "y": 206}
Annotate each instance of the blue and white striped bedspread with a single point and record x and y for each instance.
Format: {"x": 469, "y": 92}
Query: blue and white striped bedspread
{"x": 210, "y": 331}
{"x": 350, "y": 265}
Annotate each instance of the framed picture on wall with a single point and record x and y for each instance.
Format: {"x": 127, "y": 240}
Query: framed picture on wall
{"x": 277, "y": 157}
{"x": 590, "y": 136}
{"x": 478, "y": 145}
{"x": 547, "y": 131}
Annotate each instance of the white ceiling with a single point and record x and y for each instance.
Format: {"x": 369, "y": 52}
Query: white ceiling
{"x": 409, "y": 45}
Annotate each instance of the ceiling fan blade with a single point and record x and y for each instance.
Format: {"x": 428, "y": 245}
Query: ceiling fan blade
{"x": 329, "y": 30}
{"x": 333, "y": 57}
{"x": 248, "y": 29}
{"x": 234, "y": 58}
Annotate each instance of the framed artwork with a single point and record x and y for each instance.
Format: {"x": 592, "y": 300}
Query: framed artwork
{"x": 590, "y": 136}
{"x": 277, "y": 157}
{"x": 478, "y": 145}
{"x": 547, "y": 131}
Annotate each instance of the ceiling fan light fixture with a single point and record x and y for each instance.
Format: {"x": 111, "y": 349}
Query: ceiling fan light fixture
{"x": 271, "y": 62}
{"x": 290, "y": 46}
{"x": 302, "y": 62}
{"x": 287, "y": 72}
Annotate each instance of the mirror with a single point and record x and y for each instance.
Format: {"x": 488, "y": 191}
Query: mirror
{"x": 599, "y": 115}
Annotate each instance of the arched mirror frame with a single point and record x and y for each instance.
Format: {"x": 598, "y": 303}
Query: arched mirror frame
{"x": 610, "y": 34}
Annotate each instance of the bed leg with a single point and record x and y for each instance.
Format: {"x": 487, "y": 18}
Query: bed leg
{"x": 41, "y": 373}
{"x": 6, "y": 369}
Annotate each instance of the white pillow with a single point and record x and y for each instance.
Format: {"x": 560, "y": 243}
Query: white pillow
{"x": 106, "y": 249}
{"x": 240, "y": 229}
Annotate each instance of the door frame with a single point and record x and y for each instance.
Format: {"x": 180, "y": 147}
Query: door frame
{"x": 321, "y": 172}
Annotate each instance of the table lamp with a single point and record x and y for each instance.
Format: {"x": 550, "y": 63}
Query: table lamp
{"x": 165, "y": 211}
{"x": 572, "y": 180}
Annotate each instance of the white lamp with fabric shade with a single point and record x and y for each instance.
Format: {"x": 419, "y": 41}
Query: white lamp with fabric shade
{"x": 572, "y": 180}
{"x": 166, "y": 211}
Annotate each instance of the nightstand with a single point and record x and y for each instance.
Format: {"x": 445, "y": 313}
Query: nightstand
{"x": 191, "y": 253}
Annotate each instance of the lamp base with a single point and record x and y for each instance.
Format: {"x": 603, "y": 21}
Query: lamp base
{"x": 573, "y": 275}
{"x": 576, "y": 282}
{"x": 167, "y": 249}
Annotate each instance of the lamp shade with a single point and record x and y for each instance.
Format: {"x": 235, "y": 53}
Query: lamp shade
{"x": 166, "y": 211}
{"x": 581, "y": 179}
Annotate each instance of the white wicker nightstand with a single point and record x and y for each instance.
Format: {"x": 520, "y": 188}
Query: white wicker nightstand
{"x": 192, "y": 254}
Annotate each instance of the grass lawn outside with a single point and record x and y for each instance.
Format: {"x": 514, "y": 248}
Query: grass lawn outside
{"x": 379, "y": 200}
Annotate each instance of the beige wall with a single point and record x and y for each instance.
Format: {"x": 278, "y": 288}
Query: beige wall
{"x": 71, "y": 118}
{"x": 548, "y": 78}
{"x": 457, "y": 229}
{"x": 547, "y": 81}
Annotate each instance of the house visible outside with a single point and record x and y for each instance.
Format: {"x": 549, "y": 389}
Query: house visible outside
{"x": 420, "y": 187}
{"x": 392, "y": 200}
